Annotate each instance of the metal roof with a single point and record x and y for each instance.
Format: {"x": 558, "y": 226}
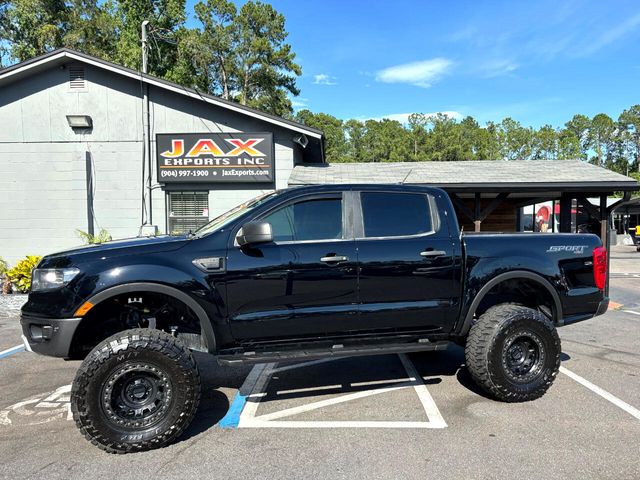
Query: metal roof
{"x": 57, "y": 57}
{"x": 481, "y": 175}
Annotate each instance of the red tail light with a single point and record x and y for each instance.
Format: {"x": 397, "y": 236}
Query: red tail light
{"x": 600, "y": 267}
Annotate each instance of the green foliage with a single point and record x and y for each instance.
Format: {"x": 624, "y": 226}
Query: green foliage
{"x": 241, "y": 55}
{"x": 102, "y": 237}
{"x": 20, "y": 275}
{"x": 601, "y": 140}
{"x": 4, "y": 266}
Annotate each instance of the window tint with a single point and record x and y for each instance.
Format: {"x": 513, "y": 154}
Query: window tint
{"x": 319, "y": 219}
{"x": 395, "y": 214}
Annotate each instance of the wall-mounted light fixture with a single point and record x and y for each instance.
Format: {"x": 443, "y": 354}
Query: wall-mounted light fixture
{"x": 301, "y": 140}
{"x": 79, "y": 121}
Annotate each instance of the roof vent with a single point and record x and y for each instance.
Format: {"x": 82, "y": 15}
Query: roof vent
{"x": 76, "y": 78}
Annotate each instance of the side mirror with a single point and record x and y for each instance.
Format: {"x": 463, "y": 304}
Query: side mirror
{"x": 254, "y": 232}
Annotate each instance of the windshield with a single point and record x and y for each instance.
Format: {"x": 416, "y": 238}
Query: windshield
{"x": 224, "y": 219}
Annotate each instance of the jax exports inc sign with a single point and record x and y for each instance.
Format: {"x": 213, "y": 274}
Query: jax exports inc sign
{"x": 215, "y": 157}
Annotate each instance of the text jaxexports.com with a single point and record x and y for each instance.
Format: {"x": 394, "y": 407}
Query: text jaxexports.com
{"x": 245, "y": 173}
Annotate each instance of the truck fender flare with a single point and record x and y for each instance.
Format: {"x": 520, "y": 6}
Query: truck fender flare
{"x": 205, "y": 323}
{"x": 520, "y": 274}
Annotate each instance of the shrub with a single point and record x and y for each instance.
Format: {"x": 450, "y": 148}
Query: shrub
{"x": 102, "y": 237}
{"x": 5, "y": 285}
{"x": 20, "y": 275}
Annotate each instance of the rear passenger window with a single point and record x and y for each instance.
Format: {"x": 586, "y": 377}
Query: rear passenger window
{"x": 318, "y": 219}
{"x": 395, "y": 214}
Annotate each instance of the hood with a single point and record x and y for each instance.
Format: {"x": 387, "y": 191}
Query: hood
{"x": 162, "y": 243}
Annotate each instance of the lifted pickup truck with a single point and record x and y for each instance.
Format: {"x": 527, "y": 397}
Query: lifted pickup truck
{"x": 299, "y": 273}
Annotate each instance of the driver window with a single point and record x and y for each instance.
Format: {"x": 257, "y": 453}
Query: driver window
{"x": 317, "y": 219}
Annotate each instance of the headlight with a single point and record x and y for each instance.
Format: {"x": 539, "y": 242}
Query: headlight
{"x": 49, "y": 278}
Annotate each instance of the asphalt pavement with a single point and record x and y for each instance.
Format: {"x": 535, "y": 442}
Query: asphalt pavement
{"x": 413, "y": 416}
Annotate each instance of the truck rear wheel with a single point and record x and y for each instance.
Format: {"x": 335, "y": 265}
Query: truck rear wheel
{"x": 513, "y": 353}
{"x": 137, "y": 390}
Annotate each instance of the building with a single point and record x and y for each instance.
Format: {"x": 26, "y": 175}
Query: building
{"x": 491, "y": 195}
{"x": 76, "y": 153}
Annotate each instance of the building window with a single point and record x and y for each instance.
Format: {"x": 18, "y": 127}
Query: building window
{"x": 188, "y": 211}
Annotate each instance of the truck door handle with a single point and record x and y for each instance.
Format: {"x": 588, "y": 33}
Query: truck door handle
{"x": 334, "y": 259}
{"x": 433, "y": 253}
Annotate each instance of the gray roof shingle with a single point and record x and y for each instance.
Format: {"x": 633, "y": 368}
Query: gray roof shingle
{"x": 522, "y": 173}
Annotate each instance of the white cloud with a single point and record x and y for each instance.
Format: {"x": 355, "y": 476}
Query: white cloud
{"x": 324, "y": 79}
{"x": 404, "y": 117}
{"x": 420, "y": 74}
{"x": 496, "y": 68}
{"x": 299, "y": 102}
{"x": 612, "y": 34}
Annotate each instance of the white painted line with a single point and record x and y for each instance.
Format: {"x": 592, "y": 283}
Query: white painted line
{"x": 631, "y": 311}
{"x": 249, "y": 410}
{"x": 287, "y": 412}
{"x": 307, "y": 390}
{"x": 338, "y": 424}
{"x": 248, "y": 418}
{"x": 603, "y": 393}
{"x": 380, "y": 382}
{"x": 250, "y": 382}
{"x": 306, "y": 364}
{"x": 425, "y": 397}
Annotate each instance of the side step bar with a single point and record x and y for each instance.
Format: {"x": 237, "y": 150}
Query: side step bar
{"x": 337, "y": 351}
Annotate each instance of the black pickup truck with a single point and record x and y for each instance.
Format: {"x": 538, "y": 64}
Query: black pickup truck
{"x": 299, "y": 273}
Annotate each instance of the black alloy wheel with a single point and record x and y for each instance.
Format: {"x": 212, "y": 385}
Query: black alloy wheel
{"x": 137, "y": 390}
{"x": 513, "y": 352}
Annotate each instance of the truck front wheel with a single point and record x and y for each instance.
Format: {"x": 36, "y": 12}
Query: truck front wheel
{"x": 513, "y": 353}
{"x": 137, "y": 390}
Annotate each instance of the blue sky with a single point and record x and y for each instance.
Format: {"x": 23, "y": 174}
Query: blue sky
{"x": 538, "y": 62}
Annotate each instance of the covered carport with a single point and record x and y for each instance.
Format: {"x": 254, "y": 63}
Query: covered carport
{"x": 489, "y": 195}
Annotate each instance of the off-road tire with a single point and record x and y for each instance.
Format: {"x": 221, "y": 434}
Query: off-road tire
{"x": 151, "y": 352}
{"x": 488, "y": 346}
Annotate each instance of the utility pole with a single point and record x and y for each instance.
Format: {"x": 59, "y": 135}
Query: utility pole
{"x": 145, "y": 47}
{"x": 146, "y": 124}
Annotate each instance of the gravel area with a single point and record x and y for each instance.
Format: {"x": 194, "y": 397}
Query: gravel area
{"x": 10, "y": 305}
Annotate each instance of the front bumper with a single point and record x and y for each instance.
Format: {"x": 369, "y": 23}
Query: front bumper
{"x": 48, "y": 336}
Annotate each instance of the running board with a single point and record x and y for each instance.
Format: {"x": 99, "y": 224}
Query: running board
{"x": 336, "y": 351}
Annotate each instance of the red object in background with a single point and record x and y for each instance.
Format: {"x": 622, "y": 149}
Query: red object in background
{"x": 600, "y": 267}
{"x": 543, "y": 213}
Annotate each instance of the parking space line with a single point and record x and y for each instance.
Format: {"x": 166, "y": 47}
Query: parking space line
{"x": 11, "y": 351}
{"x": 430, "y": 407}
{"x": 287, "y": 412}
{"x": 306, "y": 364}
{"x": 249, "y": 419}
{"x": 603, "y": 393}
{"x": 232, "y": 418}
{"x": 631, "y": 311}
{"x": 307, "y": 390}
{"x": 340, "y": 424}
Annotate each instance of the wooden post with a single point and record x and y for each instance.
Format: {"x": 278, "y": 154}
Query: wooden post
{"x": 604, "y": 220}
{"x": 565, "y": 214}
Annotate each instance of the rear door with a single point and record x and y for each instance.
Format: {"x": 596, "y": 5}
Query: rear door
{"x": 406, "y": 263}
{"x": 302, "y": 284}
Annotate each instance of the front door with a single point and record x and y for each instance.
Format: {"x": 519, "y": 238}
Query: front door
{"x": 408, "y": 277}
{"x": 304, "y": 283}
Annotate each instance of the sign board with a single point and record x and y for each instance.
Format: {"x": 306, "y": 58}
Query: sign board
{"x": 215, "y": 157}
